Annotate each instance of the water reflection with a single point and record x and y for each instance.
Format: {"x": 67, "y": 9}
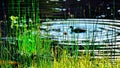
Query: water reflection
{"x": 93, "y": 31}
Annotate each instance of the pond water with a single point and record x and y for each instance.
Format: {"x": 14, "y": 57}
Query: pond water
{"x": 93, "y": 32}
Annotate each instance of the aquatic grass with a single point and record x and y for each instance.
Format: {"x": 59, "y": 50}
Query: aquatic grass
{"x": 83, "y": 62}
{"x": 30, "y": 39}
{"x": 30, "y": 43}
{"x": 73, "y": 62}
{"x": 35, "y": 47}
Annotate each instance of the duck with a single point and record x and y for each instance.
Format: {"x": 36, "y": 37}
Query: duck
{"x": 77, "y": 30}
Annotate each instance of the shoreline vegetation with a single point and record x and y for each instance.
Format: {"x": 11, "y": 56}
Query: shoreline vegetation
{"x": 36, "y": 52}
{"x": 65, "y": 62}
{"x": 24, "y": 43}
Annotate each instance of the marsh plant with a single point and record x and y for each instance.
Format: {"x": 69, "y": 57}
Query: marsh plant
{"x": 37, "y": 52}
{"x": 30, "y": 43}
{"x": 77, "y": 62}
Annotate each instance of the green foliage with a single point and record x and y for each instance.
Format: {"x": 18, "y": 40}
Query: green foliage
{"x": 31, "y": 43}
{"x": 14, "y": 20}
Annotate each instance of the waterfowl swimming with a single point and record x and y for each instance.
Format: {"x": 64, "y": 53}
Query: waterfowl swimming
{"x": 77, "y": 30}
